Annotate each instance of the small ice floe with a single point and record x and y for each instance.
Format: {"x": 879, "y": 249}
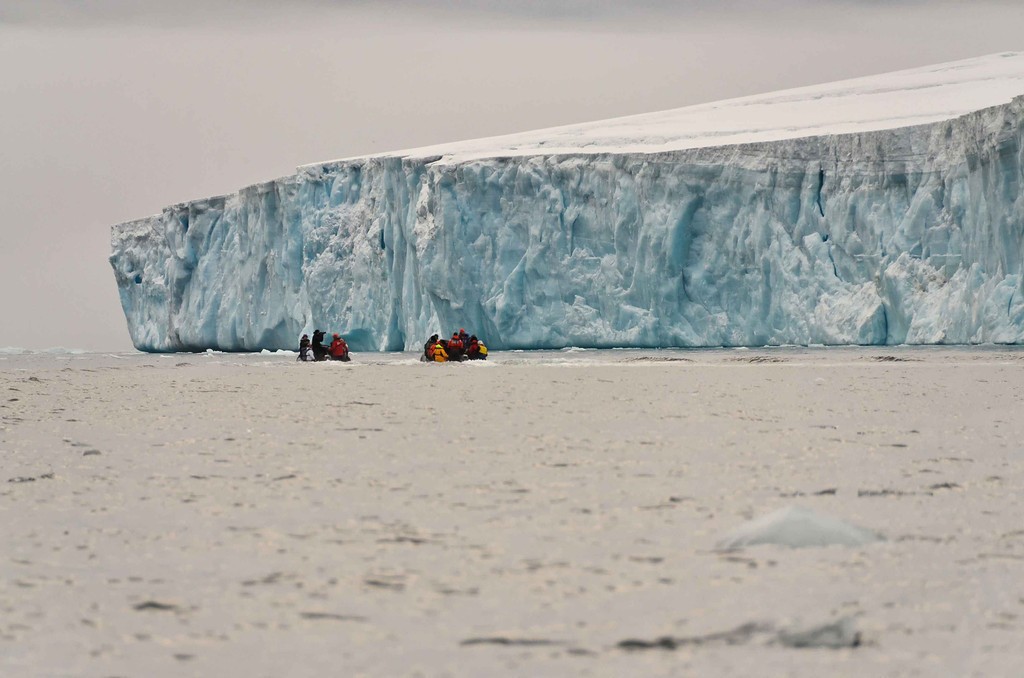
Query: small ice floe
{"x": 841, "y": 633}
{"x": 834, "y": 635}
{"x": 797, "y": 527}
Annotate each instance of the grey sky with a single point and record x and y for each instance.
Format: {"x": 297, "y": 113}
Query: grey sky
{"x": 112, "y": 109}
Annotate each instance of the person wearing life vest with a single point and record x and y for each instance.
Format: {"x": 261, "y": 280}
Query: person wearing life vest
{"x": 428, "y": 348}
{"x": 476, "y": 350}
{"x": 338, "y": 349}
{"x": 440, "y": 355}
{"x": 464, "y": 337}
{"x": 304, "y": 353}
{"x": 455, "y": 347}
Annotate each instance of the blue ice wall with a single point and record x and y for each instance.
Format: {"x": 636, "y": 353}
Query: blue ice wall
{"x": 913, "y": 235}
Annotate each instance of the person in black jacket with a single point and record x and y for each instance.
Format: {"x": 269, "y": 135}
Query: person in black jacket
{"x": 319, "y": 350}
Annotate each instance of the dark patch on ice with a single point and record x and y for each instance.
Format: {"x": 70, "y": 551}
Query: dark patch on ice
{"x": 331, "y": 616}
{"x": 393, "y": 585}
{"x": 657, "y": 359}
{"x": 287, "y": 477}
{"x": 156, "y": 606}
{"x": 271, "y": 578}
{"x": 90, "y": 453}
{"x": 924, "y": 538}
{"x": 358, "y": 402}
{"x": 736, "y": 636}
{"x": 819, "y": 493}
{"x": 887, "y": 493}
{"x": 759, "y": 359}
{"x": 944, "y": 486}
{"x": 182, "y": 657}
{"x": 1000, "y": 556}
{"x": 404, "y": 540}
{"x": 459, "y": 592}
{"x": 893, "y": 359}
{"x": 730, "y": 558}
{"x": 30, "y": 479}
{"x": 510, "y": 642}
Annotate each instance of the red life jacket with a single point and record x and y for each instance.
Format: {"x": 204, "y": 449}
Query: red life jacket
{"x": 455, "y": 344}
{"x": 339, "y": 349}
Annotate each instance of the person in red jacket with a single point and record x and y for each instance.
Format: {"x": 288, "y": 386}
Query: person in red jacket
{"x": 455, "y": 347}
{"x": 339, "y": 349}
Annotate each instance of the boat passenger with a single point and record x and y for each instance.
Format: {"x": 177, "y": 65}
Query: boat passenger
{"x": 477, "y": 350}
{"x": 455, "y": 347}
{"x": 428, "y": 348}
{"x": 440, "y": 354}
{"x": 319, "y": 350}
{"x": 304, "y": 353}
{"x": 338, "y": 349}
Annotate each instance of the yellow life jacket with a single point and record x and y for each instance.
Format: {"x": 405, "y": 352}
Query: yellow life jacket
{"x": 440, "y": 355}
{"x": 483, "y": 349}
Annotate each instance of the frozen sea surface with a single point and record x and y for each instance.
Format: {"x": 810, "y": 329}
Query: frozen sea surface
{"x": 544, "y": 514}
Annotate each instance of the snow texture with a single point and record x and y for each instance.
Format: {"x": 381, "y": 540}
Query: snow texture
{"x": 882, "y": 210}
{"x": 797, "y": 527}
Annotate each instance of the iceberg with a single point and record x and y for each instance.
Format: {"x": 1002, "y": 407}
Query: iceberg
{"x": 881, "y": 210}
{"x": 797, "y": 527}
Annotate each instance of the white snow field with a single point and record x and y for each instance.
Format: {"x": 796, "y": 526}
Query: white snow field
{"x": 881, "y": 210}
{"x": 542, "y": 514}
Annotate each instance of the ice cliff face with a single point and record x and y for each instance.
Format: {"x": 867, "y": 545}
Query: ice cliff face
{"x": 906, "y": 234}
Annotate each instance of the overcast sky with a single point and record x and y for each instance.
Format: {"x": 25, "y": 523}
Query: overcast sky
{"x": 112, "y": 109}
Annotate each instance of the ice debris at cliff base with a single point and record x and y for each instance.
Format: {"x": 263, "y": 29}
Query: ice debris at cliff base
{"x": 907, "y": 235}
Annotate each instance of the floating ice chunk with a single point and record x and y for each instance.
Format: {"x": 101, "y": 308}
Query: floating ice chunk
{"x": 797, "y": 527}
{"x": 841, "y": 633}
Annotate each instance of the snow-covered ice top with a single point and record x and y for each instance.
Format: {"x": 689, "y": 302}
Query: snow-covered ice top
{"x": 900, "y": 99}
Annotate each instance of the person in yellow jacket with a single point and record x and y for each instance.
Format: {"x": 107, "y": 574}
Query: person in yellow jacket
{"x": 476, "y": 349}
{"x": 440, "y": 355}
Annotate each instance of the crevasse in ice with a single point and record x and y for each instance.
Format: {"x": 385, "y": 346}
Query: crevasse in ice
{"x": 879, "y": 210}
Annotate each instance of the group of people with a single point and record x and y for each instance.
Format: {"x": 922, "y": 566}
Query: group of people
{"x": 461, "y": 346}
{"x": 315, "y": 350}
